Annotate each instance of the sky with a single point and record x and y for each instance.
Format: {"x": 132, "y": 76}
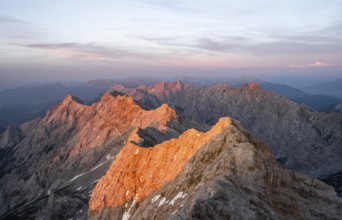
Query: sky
{"x": 43, "y": 40}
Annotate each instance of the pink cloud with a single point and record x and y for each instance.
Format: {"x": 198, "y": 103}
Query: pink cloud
{"x": 315, "y": 64}
{"x": 81, "y": 55}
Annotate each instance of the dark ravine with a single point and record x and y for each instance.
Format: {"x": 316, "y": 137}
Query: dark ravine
{"x": 336, "y": 181}
{"x": 231, "y": 175}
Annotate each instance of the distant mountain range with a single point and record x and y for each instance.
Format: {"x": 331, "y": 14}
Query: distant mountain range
{"x": 331, "y": 88}
{"x": 323, "y": 103}
{"x": 25, "y": 103}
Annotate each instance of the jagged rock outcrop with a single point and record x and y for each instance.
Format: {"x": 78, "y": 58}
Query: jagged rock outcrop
{"x": 306, "y": 141}
{"x": 224, "y": 173}
{"x": 54, "y": 162}
{"x": 10, "y": 137}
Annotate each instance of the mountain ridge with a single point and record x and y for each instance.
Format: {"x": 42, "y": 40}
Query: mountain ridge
{"x": 267, "y": 115}
{"x": 230, "y": 175}
{"x": 144, "y": 181}
{"x": 71, "y": 139}
{"x": 57, "y": 160}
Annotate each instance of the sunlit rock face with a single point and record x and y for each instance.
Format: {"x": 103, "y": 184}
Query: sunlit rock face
{"x": 221, "y": 174}
{"x": 137, "y": 171}
{"x": 49, "y": 166}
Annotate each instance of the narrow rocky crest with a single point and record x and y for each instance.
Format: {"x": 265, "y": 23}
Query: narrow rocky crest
{"x": 222, "y": 174}
{"x": 137, "y": 172}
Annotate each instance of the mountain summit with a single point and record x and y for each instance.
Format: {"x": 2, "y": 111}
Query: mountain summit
{"x": 221, "y": 174}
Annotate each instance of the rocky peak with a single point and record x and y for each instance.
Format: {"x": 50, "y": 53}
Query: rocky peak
{"x": 178, "y": 85}
{"x": 112, "y": 115}
{"x": 253, "y": 85}
{"x": 112, "y": 98}
{"x": 70, "y": 99}
{"x": 142, "y": 86}
{"x": 65, "y": 110}
{"x": 118, "y": 86}
{"x": 10, "y": 137}
{"x": 221, "y": 174}
{"x": 166, "y": 87}
{"x": 138, "y": 171}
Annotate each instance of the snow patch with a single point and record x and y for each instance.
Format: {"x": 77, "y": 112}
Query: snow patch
{"x": 119, "y": 133}
{"x": 137, "y": 151}
{"x": 155, "y": 198}
{"x": 127, "y": 192}
{"x": 98, "y": 166}
{"x": 162, "y": 202}
{"x": 178, "y": 196}
{"x": 127, "y": 214}
{"x": 79, "y": 188}
{"x": 81, "y": 174}
{"x": 198, "y": 135}
{"x": 77, "y": 176}
{"x": 97, "y": 137}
